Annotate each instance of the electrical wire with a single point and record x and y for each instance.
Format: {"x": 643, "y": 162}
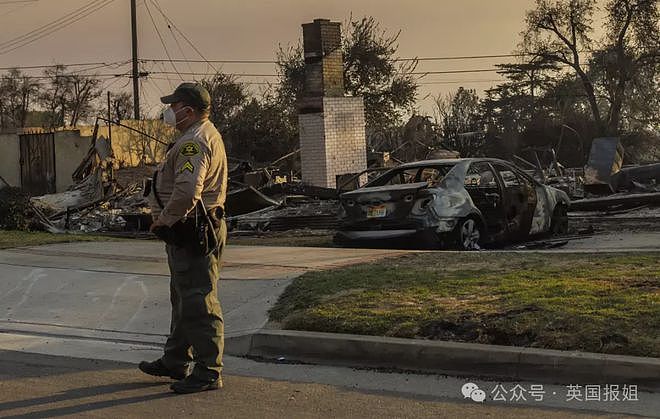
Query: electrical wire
{"x": 457, "y": 82}
{"x": 418, "y": 73}
{"x": 162, "y": 42}
{"x": 440, "y": 58}
{"x": 30, "y": 67}
{"x": 17, "y": 1}
{"x": 15, "y": 9}
{"x": 170, "y": 22}
{"x": 178, "y": 44}
{"x": 156, "y": 86}
{"x": 242, "y": 82}
{"x": 54, "y": 26}
{"x": 51, "y": 24}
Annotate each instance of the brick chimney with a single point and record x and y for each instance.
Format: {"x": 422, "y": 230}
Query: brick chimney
{"x": 323, "y": 59}
{"x": 332, "y": 126}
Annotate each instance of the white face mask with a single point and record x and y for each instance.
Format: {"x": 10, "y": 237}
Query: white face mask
{"x": 169, "y": 116}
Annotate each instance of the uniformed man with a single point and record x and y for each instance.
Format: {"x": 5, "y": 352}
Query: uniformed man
{"x": 194, "y": 169}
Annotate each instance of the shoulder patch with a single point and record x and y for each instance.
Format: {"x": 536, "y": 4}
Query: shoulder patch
{"x": 189, "y": 149}
{"x": 187, "y": 166}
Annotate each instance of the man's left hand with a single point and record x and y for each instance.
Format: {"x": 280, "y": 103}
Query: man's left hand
{"x": 156, "y": 224}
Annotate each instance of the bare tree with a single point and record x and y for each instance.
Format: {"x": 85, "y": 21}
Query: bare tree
{"x": 559, "y": 31}
{"x": 53, "y": 97}
{"x": 68, "y": 96}
{"x": 84, "y": 90}
{"x": 459, "y": 117}
{"x": 121, "y": 106}
{"x": 18, "y": 92}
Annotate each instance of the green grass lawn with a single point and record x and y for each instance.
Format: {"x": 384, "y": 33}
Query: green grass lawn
{"x": 10, "y": 239}
{"x": 587, "y": 302}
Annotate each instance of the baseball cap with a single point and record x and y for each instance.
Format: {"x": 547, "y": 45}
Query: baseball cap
{"x": 192, "y": 94}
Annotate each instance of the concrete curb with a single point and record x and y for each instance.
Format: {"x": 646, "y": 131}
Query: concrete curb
{"x": 450, "y": 358}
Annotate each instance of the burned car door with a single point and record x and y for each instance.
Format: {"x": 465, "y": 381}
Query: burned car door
{"x": 519, "y": 200}
{"x": 486, "y": 194}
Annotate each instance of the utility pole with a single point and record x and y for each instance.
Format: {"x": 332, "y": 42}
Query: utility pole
{"x": 136, "y": 74}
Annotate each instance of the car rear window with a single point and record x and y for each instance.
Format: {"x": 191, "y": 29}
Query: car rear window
{"x": 480, "y": 175}
{"x": 432, "y": 174}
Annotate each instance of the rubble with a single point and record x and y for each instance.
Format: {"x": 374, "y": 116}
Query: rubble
{"x": 615, "y": 202}
{"x": 295, "y": 212}
{"x": 95, "y": 202}
{"x": 552, "y": 173}
{"x": 605, "y": 160}
{"x": 282, "y": 190}
{"x": 643, "y": 177}
{"x": 247, "y": 200}
{"x": 106, "y": 198}
{"x": 125, "y": 211}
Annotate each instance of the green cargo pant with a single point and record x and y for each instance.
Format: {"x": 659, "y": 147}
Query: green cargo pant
{"x": 197, "y": 327}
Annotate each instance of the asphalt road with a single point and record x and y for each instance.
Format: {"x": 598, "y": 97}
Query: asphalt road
{"x": 36, "y": 386}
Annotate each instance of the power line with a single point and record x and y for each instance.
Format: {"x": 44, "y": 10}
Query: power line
{"x": 170, "y": 22}
{"x": 178, "y": 44}
{"x": 213, "y": 74}
{"x": 54, "y": 26}
{"x": 30, "y": 67}
{"x": 441, "y": 58}
{"x": 422, "y": 73}
{"x": 116, "y": 65}
{"x": 162, "y": 42}
{"x": 261, "y": 83}
{"x": 482, "y": 70}
{"x": 49, "y": 25}
{"x": 214, "y": 61}
{"x": 156, "y": 86}
{"x": 465, "y": 57}
{"x": 457, "y": 82}
{"x": 17, "y": 1}
{"x": 19, "y": 7}
{"x": 71, "y": 75}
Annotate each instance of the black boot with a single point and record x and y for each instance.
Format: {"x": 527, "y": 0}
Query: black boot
{"x": 158, "y": 369}
{"x": 192, "y": 384}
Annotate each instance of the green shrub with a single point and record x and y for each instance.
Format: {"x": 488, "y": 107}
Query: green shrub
{"x": 15, "y": 210}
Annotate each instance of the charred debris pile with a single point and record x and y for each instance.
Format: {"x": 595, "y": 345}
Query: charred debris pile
{"x": 108, "y": 199}
{"x": 605, "y": 185}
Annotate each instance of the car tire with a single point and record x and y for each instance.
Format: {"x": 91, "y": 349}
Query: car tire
{"x": 469, "y": 234}
{"x": 559, "y": 222}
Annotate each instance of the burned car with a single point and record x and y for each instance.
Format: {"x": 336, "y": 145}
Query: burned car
{"x": 460, "y": 203}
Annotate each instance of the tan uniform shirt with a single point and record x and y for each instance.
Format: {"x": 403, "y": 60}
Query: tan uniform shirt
{"x": 194, "y": 168}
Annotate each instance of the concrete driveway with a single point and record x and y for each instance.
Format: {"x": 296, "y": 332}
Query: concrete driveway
{"x": 120, "y": 290}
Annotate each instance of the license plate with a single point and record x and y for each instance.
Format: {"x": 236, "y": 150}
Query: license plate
{"x": 377, "y": 211}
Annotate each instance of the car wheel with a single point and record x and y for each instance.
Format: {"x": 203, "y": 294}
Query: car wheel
{"x": 559, "y": 223}
{"x": 469, "y": 234}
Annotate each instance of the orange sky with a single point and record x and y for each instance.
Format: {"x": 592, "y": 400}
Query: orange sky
{"x": 251, "y": 29}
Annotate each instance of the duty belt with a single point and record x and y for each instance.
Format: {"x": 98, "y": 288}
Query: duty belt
{"x": 217, "y": 212}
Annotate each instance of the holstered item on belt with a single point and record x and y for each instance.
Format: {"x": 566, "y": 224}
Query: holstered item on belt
{"x": 205, "y": 228}
{"x": 196, "y": 233}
